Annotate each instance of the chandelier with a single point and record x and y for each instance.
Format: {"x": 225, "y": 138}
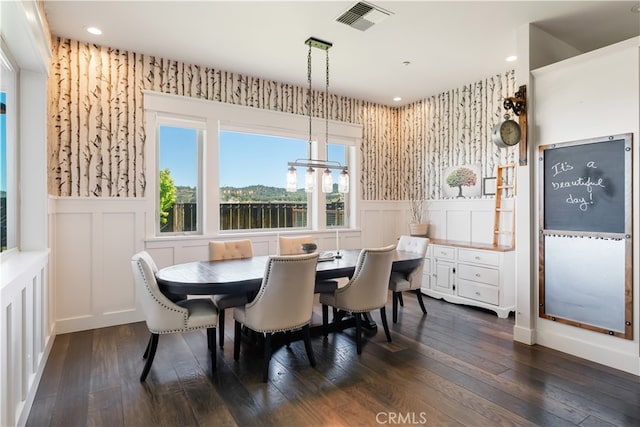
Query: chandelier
{"x": 310, "y": 163}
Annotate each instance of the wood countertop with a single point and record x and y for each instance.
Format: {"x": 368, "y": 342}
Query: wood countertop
{"x": 471, "y": 245}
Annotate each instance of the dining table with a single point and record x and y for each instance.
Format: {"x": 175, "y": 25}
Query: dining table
{"x": 244, "y": 276}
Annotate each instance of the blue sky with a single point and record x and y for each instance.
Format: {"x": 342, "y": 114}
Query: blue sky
{"x": 245, "y": 159}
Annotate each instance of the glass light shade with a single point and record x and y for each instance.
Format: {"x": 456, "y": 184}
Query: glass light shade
{"x": 343, "y": 182}
{"x": 292, "y": 180}
{"x": 309, "y": 180}
{"x": 327, "y": 181}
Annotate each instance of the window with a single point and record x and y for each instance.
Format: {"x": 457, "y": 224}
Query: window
{"x": 178, "y": 177}
{"x": 252, "y": 182}
{"x": 253, "y": 170}
{"x": 8, "y": 160}
{"x": 335, "y": 201}
{"x": 237, "y": 159}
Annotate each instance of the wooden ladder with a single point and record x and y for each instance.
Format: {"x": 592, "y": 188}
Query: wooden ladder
{"x": 505, "y": 186}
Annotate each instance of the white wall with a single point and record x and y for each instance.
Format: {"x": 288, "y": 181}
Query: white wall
{"x": 592, "y": 95}
{"x": 26, "y": 324}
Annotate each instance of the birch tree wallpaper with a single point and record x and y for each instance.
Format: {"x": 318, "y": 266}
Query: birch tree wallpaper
{"x": 96, "y": 134}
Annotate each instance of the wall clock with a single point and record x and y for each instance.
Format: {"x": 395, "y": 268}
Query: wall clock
{"x": 506, "y": 134}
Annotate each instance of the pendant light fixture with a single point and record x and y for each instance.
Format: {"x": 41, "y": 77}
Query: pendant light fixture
{"x": 310, "y": 163}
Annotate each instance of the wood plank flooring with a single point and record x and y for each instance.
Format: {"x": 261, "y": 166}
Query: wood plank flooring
{"x": 457, "y": 366}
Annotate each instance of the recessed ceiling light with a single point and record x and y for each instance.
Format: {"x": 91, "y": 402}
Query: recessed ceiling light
{"x": 406, "y": 63}
{"x": 94, "y": 30}
{"x": 636, "y": 8}
{"x": 397, "y": 99}
{"x": 511, "y": 58}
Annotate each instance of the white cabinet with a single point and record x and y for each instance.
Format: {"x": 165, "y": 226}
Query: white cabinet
{"x": 472, "y": 275}
{"x": 443, "y": 276}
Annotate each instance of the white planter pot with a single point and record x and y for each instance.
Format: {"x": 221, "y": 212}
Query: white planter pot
{"x": 419, "y": 229}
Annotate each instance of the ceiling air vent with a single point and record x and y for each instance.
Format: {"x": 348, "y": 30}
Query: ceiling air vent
{"x": 363, "y": 15}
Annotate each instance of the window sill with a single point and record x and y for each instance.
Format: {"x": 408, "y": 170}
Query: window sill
{"x": 19, "y": 264}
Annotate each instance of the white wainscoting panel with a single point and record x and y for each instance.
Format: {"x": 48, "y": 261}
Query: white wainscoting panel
{"x": 73, "y": 254}
{"x": 26, "y": 332}
{"x": 93, "y": 241}
{"x": 465, "y": 220}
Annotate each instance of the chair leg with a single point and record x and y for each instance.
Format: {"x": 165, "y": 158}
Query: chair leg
{"x": 419, "y": 294}
{"x": 221, "y": 327}
{"x": 325, "y": 320}
{"x": 211, "y": 340}
{"x": 400, "y": 299}
{"x": 383, "y": 316}
{"x": 153, "y": 345}
{"x": 236, "y": 340}
{"x": 358, "y": 332}
{"x": 267, "y": 358}
{"x": 395, "y": 306}
{"x": 146, "y": 351}
{"x": 307, "y": 345}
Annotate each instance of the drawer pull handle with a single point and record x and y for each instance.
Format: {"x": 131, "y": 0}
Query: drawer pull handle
{"x": 477, "y": 293}
{"x": 477, "y": 257}
{"x": 477, "y": 274}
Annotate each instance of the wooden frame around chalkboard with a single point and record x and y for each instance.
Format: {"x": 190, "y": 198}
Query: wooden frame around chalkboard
{"x": 624, "y": 234}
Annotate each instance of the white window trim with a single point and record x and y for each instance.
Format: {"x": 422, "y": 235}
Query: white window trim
{"x": 154, "y": 121}
{"x": 9, "y": 84}
{"x": 217, "y": 116}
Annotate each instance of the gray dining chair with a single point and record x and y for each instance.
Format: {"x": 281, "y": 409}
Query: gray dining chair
{"x": 164, "y": 316}
{"x": 223, "y": 250}
{"x": 412, "y": 280}
{"x": 367, "y": 290}
{"x": 284, "y": 303}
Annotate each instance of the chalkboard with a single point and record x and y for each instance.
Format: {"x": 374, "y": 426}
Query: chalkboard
{"x": 584, "y": 185}
{"x": 585, "y": 250}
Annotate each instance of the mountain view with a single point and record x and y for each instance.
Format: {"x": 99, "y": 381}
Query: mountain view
{"x": 254, "y": 193}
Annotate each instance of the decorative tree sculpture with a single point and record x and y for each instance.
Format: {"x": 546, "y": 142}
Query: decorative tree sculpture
{"x": 462, "y": 177}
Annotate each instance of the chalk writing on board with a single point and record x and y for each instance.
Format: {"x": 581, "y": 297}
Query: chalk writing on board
{"x": 584, "y": 186}
{"x": 586, "y": 182}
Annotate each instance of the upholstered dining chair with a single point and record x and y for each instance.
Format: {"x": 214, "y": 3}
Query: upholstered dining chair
{"x": 284, "y": 303}
{"x": 221, "y": 250}
{"x": 411, "y": 281}
{"x": 292, "y": 245}
{"x": 166, "y": 317}
{"x": 367, "y": 290}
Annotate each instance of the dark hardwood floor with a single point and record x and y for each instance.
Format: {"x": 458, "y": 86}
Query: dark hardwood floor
{"x": 456, "y": 366}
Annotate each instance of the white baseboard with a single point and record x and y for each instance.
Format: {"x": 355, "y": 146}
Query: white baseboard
{"x": 599, "y": 353}
{"x": 84, "y": 323}
{"x": 524, "y": 335}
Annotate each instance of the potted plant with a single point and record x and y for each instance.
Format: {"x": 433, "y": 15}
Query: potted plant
{"x": 418, "y": 225}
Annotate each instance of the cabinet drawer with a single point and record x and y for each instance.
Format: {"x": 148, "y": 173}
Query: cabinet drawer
{"x": 489, "y": 276}
{"x": 479, "y": 257}
{"x": 444, "y": 252}
{"x": 478, "y": 292}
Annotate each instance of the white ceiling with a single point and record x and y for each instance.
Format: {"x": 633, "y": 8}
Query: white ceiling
{"x": 448, "y": 43}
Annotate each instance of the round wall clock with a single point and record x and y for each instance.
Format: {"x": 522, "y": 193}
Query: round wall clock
{"x": 506, "y": 134}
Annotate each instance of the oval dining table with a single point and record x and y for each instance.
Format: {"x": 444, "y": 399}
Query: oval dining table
{"x": 244, "y": 276}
